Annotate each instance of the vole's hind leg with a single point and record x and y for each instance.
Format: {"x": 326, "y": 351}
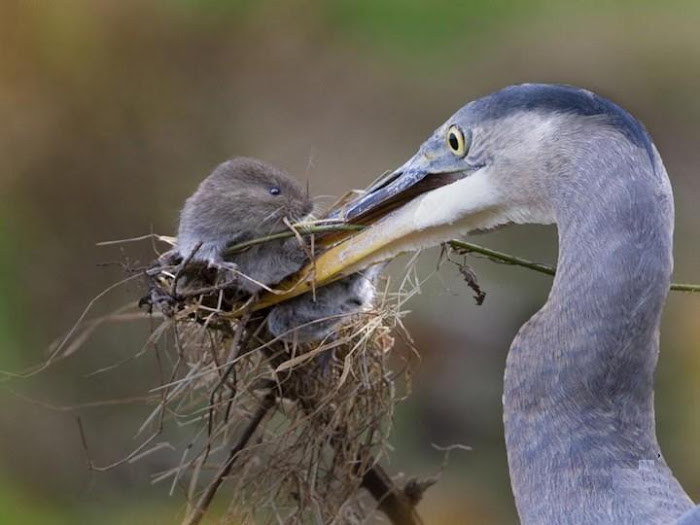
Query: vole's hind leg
{"x": 304, "y": 319}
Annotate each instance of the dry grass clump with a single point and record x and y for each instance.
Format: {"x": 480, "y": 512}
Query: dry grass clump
{"x": 282, "y": 432}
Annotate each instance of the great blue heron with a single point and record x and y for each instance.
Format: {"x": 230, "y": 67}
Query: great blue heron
{"x": 578, "y": 392}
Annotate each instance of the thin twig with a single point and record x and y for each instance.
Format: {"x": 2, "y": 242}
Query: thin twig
{"x": 391, "y": 500}
{"x": 303, "y": 231}
{"x": 538, "y": 267}
{"x": 308, "y": 251}
{"x": 182, "y": 266}
{"x": 154, "y": 236}
{"x": 205, "y": 500}
{"x": 135, "y": 453}
{"x": 207, "y": 290}
{"x": 469, "y": 247}
{"x": 230, "y": 369}
{"x": 685, "y": 287}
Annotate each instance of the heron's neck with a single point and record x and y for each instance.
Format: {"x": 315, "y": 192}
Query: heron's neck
{"x": 578, "y": 393}
{"x": 598, "y": 330}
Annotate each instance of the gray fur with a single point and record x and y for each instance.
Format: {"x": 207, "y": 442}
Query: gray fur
{"x": 233, "y": 205}
{"x": 298, "y": 319}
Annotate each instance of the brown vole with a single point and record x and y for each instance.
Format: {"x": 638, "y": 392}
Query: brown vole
{"x": 244, "y": 199}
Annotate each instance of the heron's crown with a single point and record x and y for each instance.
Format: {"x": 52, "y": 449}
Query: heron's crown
{"x": 559, "y": 99}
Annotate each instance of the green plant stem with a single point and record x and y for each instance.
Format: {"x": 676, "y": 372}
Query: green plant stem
{"x": 304, "y": 231}
{"x": 454, "y": 243}
{"x": 501, "y": 257}
{"x": 685, "y": 287}
{"x": 538, "y": 267}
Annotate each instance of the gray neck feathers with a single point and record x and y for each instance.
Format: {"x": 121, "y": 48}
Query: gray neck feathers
{"x": 578, "y": 394}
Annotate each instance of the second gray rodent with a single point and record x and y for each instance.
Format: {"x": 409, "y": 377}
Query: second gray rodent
{"x": 243, "y": 199}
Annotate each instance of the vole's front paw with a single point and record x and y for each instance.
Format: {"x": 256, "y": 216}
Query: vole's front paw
{"x": 169, "y": 258}
{"x": 226, "y": 272}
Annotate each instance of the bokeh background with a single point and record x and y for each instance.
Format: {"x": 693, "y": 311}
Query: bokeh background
{"x": 111, "y": 111}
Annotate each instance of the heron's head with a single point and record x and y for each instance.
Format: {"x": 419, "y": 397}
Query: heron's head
{"x": 498, "y": 160}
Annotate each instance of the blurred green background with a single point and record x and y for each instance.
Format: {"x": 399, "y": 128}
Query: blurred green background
{"x": 113, "y": 110}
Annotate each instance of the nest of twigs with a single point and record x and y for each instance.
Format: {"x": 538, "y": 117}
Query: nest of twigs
{"x": 283, "y": 433}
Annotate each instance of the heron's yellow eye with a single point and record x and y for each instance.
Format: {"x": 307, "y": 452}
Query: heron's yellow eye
{"x": 456, "y": 141}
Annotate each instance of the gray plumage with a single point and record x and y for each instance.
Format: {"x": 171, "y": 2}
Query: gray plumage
{"x": 244, "y": 199}
{"x": 578, "y": 394}
{"x": 578, "y": 390}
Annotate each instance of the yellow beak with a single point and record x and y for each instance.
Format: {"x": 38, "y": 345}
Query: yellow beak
{"x": 352, "y": 254}
{"x": 389, "y": 209}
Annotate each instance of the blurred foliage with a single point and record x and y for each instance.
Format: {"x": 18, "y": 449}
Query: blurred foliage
{"x": 16, "y": 508}
{"x": 9, "y": 327}
{"x": 113, "y": 110}
{"x": 421, "y": 27}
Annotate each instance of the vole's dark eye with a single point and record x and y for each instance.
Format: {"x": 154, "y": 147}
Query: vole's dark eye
{"x": 274, "y": 190}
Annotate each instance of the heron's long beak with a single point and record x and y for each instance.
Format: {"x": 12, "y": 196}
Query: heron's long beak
{"x": 388, "y": 192}
{"x": 389, "y": 208}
